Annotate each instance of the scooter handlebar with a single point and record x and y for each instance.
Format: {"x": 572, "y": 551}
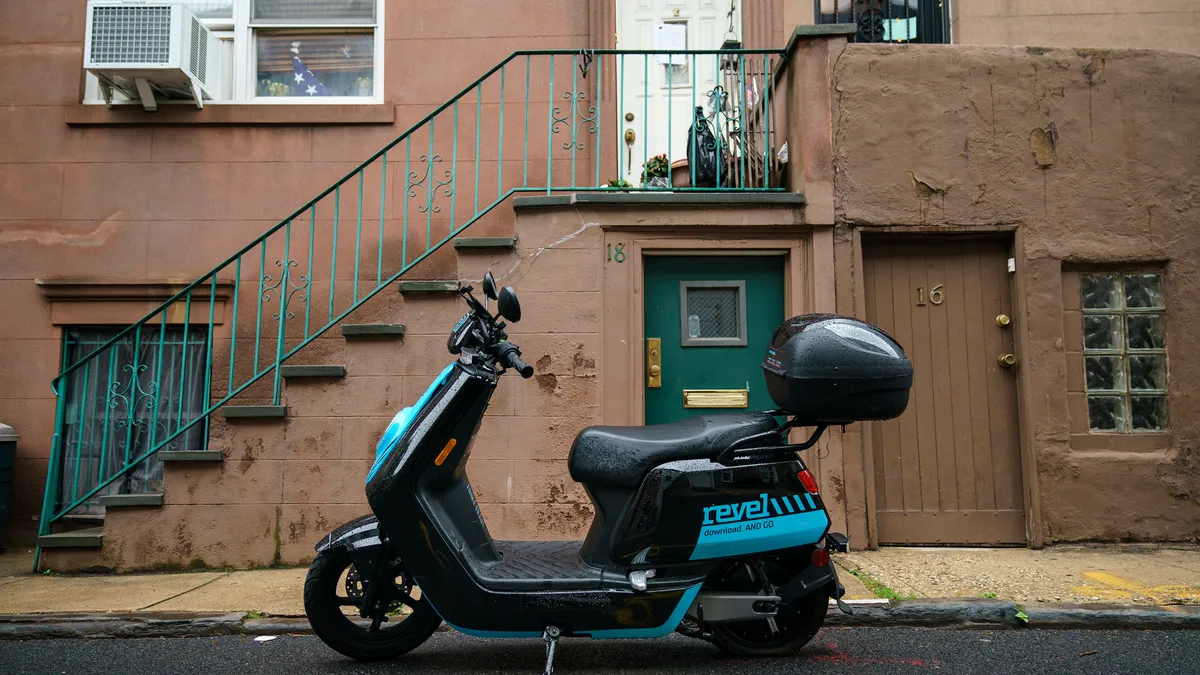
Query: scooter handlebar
{"x": 510, "y": 357}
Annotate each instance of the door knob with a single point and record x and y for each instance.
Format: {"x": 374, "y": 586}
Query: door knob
{"x": 1002, "y": 320}
{"x": 630, "y": 136}
{"x": 1006, "y": 360}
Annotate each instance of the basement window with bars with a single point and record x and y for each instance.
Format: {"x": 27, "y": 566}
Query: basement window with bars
{"x": 1124, "y": 351}
{"x": 291, "y": 51}
{"x": 130, "y": 398}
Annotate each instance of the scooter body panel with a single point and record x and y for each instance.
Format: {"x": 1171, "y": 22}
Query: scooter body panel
{"x": 699, "y": 510}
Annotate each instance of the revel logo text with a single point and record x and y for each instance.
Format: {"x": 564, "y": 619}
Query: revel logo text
{"x": 763, "y": 507}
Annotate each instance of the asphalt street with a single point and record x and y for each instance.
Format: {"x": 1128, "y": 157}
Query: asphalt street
{"x": 837, "y": 650}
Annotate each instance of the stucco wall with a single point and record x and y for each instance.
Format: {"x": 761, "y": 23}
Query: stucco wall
{"x": 1123, "y": 188}
{"x": 1146, "y": 24}
{"x": 150, "y": 202}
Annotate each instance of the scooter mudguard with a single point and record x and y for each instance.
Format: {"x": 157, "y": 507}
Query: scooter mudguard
{"x": 358, "y": 534}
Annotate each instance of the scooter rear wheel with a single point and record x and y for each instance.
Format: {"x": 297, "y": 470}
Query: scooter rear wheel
{"x": 785, "y": 633}
{"x": 331, "y": 590}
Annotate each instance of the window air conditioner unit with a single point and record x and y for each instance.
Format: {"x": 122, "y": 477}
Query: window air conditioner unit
{"x": 146, "y": 49}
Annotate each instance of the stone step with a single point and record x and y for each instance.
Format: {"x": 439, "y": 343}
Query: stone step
{"x": 427, "y": 286}
{"x": 191, "y": 456}
{"x": 302, "y": 371}
{"x": 92, "y": 537}
{"x": 244, "y": 412}
{"x": 147, "y": 499}
{"x": 483, "y": 244}
{"x": 372, "y": 330}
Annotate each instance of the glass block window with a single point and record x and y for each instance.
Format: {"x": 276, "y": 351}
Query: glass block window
{"x": 713, "y": 313}
{"x": 1124, "y": 351}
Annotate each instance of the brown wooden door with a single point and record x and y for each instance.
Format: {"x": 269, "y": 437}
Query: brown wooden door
{"x": 948, "y": 470}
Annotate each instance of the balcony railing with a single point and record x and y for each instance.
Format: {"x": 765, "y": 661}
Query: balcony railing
{"x": 899, "y": 21}
{"x": 539, "y": 121}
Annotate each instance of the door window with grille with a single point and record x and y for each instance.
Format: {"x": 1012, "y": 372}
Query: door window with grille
{"x": 713, "y": 313}
{"x": 136, "y": 394}
{"x": 1124, "y": 351}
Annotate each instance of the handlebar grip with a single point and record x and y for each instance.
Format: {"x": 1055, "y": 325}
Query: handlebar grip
{"x": 510, "y": 356}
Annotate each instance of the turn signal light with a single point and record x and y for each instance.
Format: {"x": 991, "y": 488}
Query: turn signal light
{"x": 820, "y": 558}
{"x": 809, "y": 482}
{"x": 437, "y": 461}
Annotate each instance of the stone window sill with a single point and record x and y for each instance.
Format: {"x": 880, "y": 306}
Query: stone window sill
{"x": 234, "y": 114}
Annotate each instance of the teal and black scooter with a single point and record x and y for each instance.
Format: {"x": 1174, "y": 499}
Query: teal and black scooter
{"x": 711, "y": 526}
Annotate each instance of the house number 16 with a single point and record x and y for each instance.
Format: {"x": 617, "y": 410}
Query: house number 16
{"x": 935, "y": 295}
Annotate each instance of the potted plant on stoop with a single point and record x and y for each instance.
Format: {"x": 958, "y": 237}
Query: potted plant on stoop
{"x": 656, "y": 172}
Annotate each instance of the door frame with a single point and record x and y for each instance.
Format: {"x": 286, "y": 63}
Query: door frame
{"x": 631, "y": 285}
{"x": 1014, "y": 237}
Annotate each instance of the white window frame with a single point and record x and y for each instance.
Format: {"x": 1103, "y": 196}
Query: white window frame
{"x": 243, "y": 71}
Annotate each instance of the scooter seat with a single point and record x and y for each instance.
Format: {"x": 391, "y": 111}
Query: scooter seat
{"x": 622, "y": 456}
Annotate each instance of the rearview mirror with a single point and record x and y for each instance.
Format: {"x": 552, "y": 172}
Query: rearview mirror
{"x": 510, "y": 307}
{"x": 489, "y": 285}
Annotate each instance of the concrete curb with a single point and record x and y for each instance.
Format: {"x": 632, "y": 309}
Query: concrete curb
{"x": 48, "y": 626}
{"x": 935, "y": 613}
{"x": 998, "y": 614}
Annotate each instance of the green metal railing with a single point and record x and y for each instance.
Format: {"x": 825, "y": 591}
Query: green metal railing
{"x": 523, "y": 127}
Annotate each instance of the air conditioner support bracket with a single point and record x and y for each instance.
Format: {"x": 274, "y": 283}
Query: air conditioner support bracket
{"x": 198, "y": 94}
{"x": 146, "y": 94}
{"x": 106, "y": 92}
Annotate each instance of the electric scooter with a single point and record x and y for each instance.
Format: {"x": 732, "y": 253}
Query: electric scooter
{"x": 711, "y": 526}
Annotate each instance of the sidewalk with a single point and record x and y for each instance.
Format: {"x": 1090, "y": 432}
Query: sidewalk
{"x": 1078, "y": 586}
{"x": 1113, "y": 574}
{"x": 270, "y": 592}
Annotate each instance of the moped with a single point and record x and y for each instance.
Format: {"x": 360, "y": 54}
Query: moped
{"x": 711, "y": 526}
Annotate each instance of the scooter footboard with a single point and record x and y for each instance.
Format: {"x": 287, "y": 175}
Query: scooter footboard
{"x": 600, "y": 613}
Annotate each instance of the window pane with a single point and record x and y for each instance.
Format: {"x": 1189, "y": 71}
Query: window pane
{"x": 314, "y": 11}
{"x": 211, "y": 9}
{"x": 1148, "y": 412}
{"x": 1147, "y": 372}
{"x": 1145, "y": 331}
{"x": 1100, "y": 291}
{"x": 1143, "y": 290}
{"x": 1101, "y": 331}
{"x": 1106, "y": 413}
{"x": 316, "y": 63}
{"x": 1104, "y": 373}
{"x": 712, "y": 312}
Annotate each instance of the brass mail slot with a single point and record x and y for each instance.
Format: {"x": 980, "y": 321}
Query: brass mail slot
{"x": 716, "y": 398}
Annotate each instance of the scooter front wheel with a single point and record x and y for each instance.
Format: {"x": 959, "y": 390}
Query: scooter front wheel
{"x": 333, "y": 595}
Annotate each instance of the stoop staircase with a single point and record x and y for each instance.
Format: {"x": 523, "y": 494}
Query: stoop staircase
{"x": 253, "y": 338}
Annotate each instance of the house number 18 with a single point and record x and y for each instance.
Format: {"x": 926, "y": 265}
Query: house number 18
{"x": 935, "y": 295}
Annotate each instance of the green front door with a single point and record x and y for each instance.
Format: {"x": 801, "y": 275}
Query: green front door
{"x": 713, "y": 316}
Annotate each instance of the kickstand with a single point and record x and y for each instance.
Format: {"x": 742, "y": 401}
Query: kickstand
{"x": 551, "y": 637}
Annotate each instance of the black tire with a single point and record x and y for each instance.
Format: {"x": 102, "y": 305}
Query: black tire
{"x": 793, "y": 627}
{"x": 346, "y": 633}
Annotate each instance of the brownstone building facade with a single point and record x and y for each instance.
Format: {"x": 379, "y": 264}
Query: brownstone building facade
{"x": 1020, "y": 218}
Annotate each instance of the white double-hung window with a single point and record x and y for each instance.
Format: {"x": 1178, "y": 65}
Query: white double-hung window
{"x": 292, "y": 51}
